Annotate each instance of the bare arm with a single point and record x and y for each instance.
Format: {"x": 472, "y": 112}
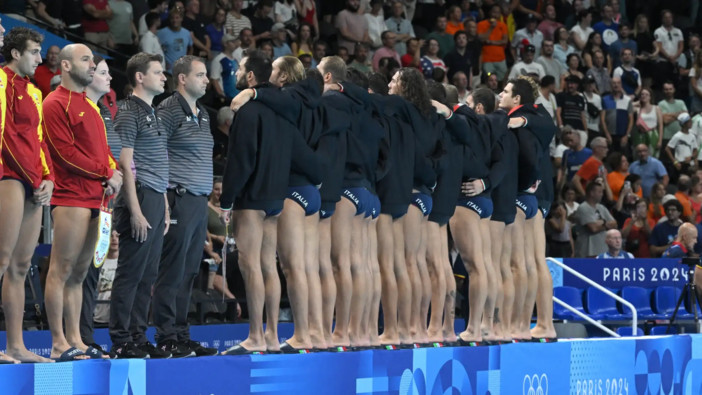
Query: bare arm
{"x": 577, "y": 184}
{"x": 98, "y": 14}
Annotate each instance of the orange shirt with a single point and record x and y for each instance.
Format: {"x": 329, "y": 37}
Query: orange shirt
{"x": 653, "y": 216}
{"x": 452, "y": 28}
{"x": 590, "y": 170}
{"x": 615, "y": 180}
{"x": 685, "y": 201}
{"x": 493, "y": 53}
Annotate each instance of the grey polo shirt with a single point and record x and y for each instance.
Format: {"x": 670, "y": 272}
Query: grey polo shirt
{"x": 139, "y": 128}
{"x": 190, "y": 145}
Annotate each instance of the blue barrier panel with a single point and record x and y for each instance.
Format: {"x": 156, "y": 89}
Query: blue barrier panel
{"x": 617, "y": 273}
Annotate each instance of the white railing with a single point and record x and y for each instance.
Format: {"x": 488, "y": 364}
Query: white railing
{"x": 624, "y": 302}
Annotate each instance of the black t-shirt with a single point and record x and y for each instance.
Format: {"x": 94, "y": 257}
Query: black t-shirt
{"x": 69, "y": 11}
{"x": 572, "y": 107}
{"x": 261, "y": 25}
{"x": 197, "y": 27}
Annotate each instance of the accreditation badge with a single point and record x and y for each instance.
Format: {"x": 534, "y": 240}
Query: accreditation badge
{"x": 102, "y": 245}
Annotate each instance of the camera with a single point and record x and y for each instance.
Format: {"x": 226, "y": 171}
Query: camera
{"x": 690, "y": 262}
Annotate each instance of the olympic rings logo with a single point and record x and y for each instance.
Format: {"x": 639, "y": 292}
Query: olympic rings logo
{"x": 535, "y": 385}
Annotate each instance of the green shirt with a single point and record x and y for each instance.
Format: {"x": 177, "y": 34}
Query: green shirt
{"x": 445, "y": 42}
{"x": 667, "y": 108}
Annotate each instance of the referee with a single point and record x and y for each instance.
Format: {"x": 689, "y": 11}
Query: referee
{"x": 190, "y": 142}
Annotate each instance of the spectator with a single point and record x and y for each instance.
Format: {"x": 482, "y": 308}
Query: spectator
{"x": 569, "y": 201}
{"x": 343, "y": 54}
{"x": 670, "y": 41}
{"x": 319, "y": 50}
{"x": 387, "y": 67}
{"x": 149, "y": 42}
{"x": 547, "y": 88}
{"x": 650, "y": 169}
{"x": 285, "y": 12}
{"x": 613, "y": 240}
{"x": 683, "y": 196}
{"x": 593, "y": 45}
{"x": 637, "y": 230}
{"x": 664, "y": 233}
{"x": 215, "y": 31}
{"x": 558, "y": 231}
{"x": 360, "y": 60}
{"x": 196, "y": 25}
{"x": 493, "y": 83}
{"x": 562, "y": 48}
{"x": 303, "y": 43}
{"x": 686, "y": 63}
{"x": 279, "y": 35}
{"x": 475, "y": 48}
{"x": 225, "y": 117}
{"x": 630, "y": 76}
{"x": 507, "y": 17}
{"x": 47, "y": 70}
{"x": 246, "y": 44}
{"x": 261, "y": 22}
{"x": 460, "y": 81}
{"x": 684, "y": 145}
{"x": 387, "y": 50}
{"x": 352, "y": 25}
{"x": 619, "y": 164}
{"x": 593, "y": 107}
{"x": 549, "y": 25}
{"x": 695, "y": 86}
{"x": 552, "y": 67}
{"x": 571, "y": 106}
{"x": 624, "y": 42}
{"x": 95, "y": 27}
{"x": 223, "y": 70}
{"x": 573, "y": 158}
{"x": 527, "y": 36}
{"x": 573, "y": 66}
{"x": 655, "y": 207}
{"x": 696, "y": 198}
{"x": 401, "y": 26}
{"x": 65, "y": 15}
{"x": 600, "y": 73}
{"x": 671, "y": 108}
{"x": 618, "y": 117}
{"x": 101, "y": 314}
{"x": 122, "y": 29}
{"x": 431, "y": 59}
{"x": 459, "y": 59}
{"x": 493, "y": 34}
{"x": 175, "y": 40}
{"x": 156, "y": 6}
{"x": 439, "y": 34}
{"x": 527, "y": 65}
{"x": 376, "y": 23}
{"x": 454, "y": 23}
{"x": 581, "y": 32}
{"x": 308, "y": 14}
{"x": 413, "y": 57}
{"x": 607, "y": 27}
{"x": 647, "y": 50}
{"x": 593, "y": 168}
{"x": 267, "y": 48}
{"x": 235, "y": 20}
{"x": 592, "y": 220}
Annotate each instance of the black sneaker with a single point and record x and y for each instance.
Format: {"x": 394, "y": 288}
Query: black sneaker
{"x": 155, "y": 352}
{"x": 127, "y": 350}
{"x": 175, "y": 349}
{"x": 198, "y": 348}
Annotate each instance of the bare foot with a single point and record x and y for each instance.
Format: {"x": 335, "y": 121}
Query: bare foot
{"x": 7, "y": 358}
{"x": 450, "y": 337}
{"x": 340, "y": 341}
{"x": 272, "y": 342}
{"x": 389, "y": 338}
{"x": 435, "y": 337}
{"x": 539, "y": 332}
{"x": 294, "y": 343}
{"x": 470, "y": 337}
{"x": 24, "y": 355}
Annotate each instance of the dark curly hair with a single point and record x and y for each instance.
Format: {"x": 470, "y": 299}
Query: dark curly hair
{"x": 17, "y": 39}
{"x": 414, "y": 90}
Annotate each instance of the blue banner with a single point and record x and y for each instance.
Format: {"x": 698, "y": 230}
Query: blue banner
{"x": 617, "y": 273}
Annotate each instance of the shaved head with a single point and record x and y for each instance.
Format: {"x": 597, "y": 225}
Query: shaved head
{"x": 687, "y": 235}
{"x": 77, "y": 63}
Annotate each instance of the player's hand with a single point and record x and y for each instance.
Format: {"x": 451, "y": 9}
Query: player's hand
{"x": 42, "y": 195}
{"x": 115, "y": 182}
{"x": 473, "y": 188}
{"x": 441, "y": 108}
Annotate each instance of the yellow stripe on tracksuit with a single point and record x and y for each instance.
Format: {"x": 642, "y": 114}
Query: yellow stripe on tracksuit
{"x": 37, "y": 98}
{"x": 3, "y": 105}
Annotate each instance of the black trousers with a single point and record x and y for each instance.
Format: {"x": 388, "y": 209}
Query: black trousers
{"x": 136, "y": 268}
{"x": 87, "y": 308}
{"x": 180, "y": 261}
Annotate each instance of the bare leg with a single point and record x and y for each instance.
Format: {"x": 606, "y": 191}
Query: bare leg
{"x": 449, "y": 331}
{"x": 493, "y": 282}
{"x": 341, "y": 258}
{"x": 465, "y": 227}
{"x": 404, "y": 284}
{"x": 314, "y": 282}
{"x": 387, "y": 274}
{"x": 326, "y": 275}
{"x": 413, "y": 234}
{"x": 437, "y": 274}
{"x": 291, "y": 249}
{"x": 518, "y": 265}
{"x": 375, "y": 276}
{"x": 544, "y": 292}
{"x": 71, "y": 227}
{"x": 359, "y": 277}
{"x": 271, "y": 281}
{"x": 421, "y": 323}
{"x": 248, "y": 233}
{"x": 532, "y": 280}
{"x": 507, "y": 283}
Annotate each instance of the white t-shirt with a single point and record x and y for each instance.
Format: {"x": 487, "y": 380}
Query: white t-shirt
{"x": 582, "y": 34}
{"x": 619, "y": 71}
{"x": 376, "y": 27}
{"x": 669, "y": 39}
{"x": 696, "y": 130}
{"x": 149, "y": 43}
{"x": 593, "y": 123}
{"x": 683, "y": 144}
{"x": 549, "y": 104}
{"x": 521, "y": 68}
{"x": 284, "y": 11}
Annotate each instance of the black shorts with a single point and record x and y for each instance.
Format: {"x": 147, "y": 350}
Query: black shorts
{"x": 94, "y": 212}
{"x": 307, "y": 196}
{"x": 327, "y": 209}
{"x": 423, "y": 202}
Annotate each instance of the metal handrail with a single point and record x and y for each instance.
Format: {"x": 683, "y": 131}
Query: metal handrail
{"x": 634, "y": 315}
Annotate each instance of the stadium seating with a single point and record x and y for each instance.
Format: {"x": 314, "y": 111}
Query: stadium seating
{"x": 601, "y": 306}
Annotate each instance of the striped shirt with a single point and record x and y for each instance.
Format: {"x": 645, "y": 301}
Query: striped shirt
{"x": 234, "y": 25}
{"x": 139, "y": 128}
{"x": 112, "y": 137}
{"x": 190, "y": 145}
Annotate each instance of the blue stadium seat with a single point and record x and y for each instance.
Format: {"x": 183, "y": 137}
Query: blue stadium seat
{"x": 626, "y": 331}
{"x": 664, "y": 300}
{"x": 573, "y": 297}
{"x": 601, "y": 306}
{"x": 641, "y": 299}
{"x": 661, "y": 330}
